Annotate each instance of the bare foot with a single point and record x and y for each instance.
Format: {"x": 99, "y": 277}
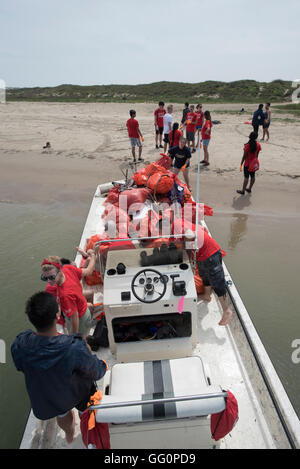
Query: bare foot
{"x": 204, "y": 298}
{"x": 226, "y": 317}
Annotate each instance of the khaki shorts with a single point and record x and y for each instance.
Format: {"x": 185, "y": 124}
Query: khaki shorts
{"x": 85, "y": 323}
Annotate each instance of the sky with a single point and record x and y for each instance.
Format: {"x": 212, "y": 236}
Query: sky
{"x": 96, "y": 42}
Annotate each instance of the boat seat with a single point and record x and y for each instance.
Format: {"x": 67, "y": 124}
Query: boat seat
{"x": 159, "y": 379}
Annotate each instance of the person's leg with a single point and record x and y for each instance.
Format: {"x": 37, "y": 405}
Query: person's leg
{"x": 217, "y": 281}
{"x": 175, "y": 170}
{"x": 206, "y": 296}
{"x": 186, "y": 177}
{"x": 252, "y": 181}
{"x": 198, "y": 137}
{"x": 166, "y": 141}
{"x": 193, "y": 143}
{"x": 206, "y": 154}
{"x": 85, "y": 323}
{"x": 267, "y": 133}
{"x": 246, "y": 179}
{"x": 140, "y": 152}
{"x": 67, "y": 424}
{"x": 227, "y": 313}
{"x": 133, "y": 152}
{"x": 156, "y": 137}
{"x": 160, "y": 137}
{"x": 245, "y": 183}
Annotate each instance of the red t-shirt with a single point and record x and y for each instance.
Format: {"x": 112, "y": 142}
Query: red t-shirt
{"x": 206, "y": 130}
{"x": 191, "y": 116}
{"x": 159, "y": 113}
{"x": 70, "y": 292}
{"x": 132, "y": 126}
{"x": 53, "y": 290}
{"x": 207, "y": 246}
{"x": 177, "y": 135}
{"x": 200, "y": 115}
{"x": 251, "y": 161}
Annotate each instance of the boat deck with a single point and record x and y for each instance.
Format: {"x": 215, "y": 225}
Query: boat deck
{"x": 229, "y": 362}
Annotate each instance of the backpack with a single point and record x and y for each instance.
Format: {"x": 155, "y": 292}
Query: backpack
{"x": 223, "y": 422}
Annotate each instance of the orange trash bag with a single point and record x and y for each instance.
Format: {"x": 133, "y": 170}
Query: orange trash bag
{"x": 140, "y": 177}
{"x": 164, "y": 161}
{"x": 152, "y": 168}
{"x": 160, "y": 183}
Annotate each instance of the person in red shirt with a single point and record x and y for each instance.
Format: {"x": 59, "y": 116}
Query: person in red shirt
{"x": 175, "y": 135}
{"x": 199, "y": 123}
{"x": 67, "y": 279}
{"x": 250, "y": 161}
{"x": 159, "y": 123}
{"x": 209, "y": 263}
{"x": 206, "y": 135}
{"x": 191, "y": 121}
{"x": 134, "y": 134}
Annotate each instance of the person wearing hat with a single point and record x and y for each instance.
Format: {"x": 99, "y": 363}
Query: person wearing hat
{"x": 67, "y": 279}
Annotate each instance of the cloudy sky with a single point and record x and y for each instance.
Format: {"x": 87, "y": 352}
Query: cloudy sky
{"x": 88, "y": 42}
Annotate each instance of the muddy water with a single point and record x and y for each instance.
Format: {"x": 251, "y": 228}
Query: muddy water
{"x": 262, "y": 256}
{"x": 263, "y": 259}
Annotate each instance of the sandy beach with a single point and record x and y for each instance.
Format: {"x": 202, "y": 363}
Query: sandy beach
{"x": 89, "y": 142}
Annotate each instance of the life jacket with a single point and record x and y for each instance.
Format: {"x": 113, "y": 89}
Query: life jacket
{"x": 223, "y": 422}
{"x": 94, "y": 434}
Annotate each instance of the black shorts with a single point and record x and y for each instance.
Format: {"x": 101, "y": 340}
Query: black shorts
{"x": 159, "y": 130}
{"x": 248, "y": 173}
{"x": 212, "y": 273}
{"x": 166, "y": 138}
{"x": 266, "y": 126}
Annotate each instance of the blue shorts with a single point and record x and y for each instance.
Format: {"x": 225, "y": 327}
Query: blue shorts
{"x": 198, "y": 127}
{"x": 205, "y": 142}
{"x": 135, "y": 142}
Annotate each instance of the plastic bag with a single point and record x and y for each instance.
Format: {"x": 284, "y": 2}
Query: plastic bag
{"x": 160, "y": 183}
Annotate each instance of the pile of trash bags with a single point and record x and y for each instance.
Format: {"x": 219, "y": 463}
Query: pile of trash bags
{"x": 150, "y": 204}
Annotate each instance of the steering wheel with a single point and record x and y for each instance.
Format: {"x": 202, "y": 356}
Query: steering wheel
{"x": 149, "y": 286}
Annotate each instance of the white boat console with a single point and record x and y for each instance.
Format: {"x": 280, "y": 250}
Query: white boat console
{"x": 142, "y": 296}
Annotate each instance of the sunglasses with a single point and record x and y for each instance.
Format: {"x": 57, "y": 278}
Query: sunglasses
{"x": 50, "y": 277}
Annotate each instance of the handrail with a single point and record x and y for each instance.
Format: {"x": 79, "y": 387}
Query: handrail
{"x": 114, "y": 240}
{"x": 164, "y": 400}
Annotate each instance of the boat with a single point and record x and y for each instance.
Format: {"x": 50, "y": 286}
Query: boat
{"x": 170, "y": 370}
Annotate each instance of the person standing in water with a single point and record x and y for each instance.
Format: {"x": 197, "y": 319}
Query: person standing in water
{"x": 250, "y": 162}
